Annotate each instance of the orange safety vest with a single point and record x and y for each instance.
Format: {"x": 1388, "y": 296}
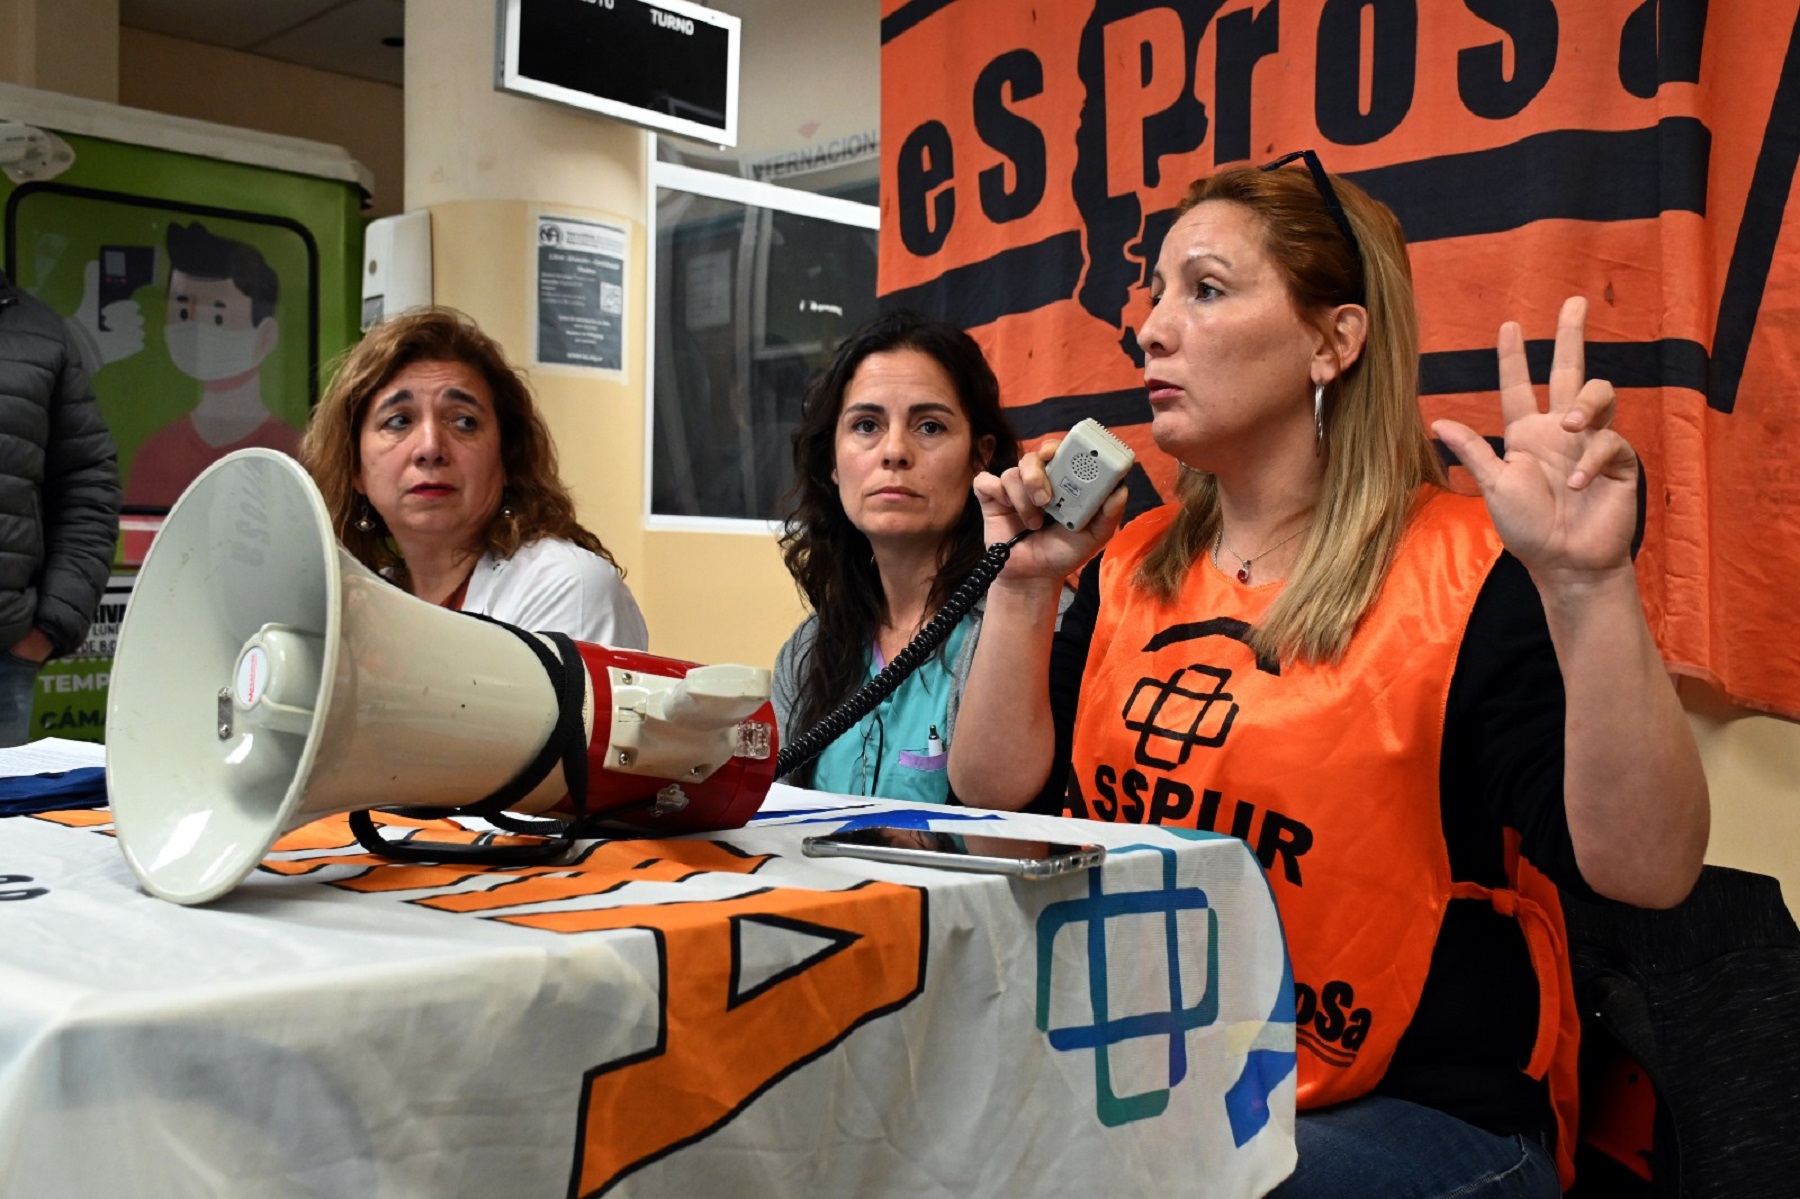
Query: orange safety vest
{"x": 1330, "y": 772}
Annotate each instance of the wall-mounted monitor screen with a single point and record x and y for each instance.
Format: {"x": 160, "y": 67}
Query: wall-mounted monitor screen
{"x": 665, "y": 64}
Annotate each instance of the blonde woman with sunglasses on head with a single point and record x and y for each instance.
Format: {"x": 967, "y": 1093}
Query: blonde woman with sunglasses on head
{"x": 1423, "y": 711}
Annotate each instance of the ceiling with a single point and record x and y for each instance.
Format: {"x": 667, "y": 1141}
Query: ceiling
{"x": 360, "y": 38}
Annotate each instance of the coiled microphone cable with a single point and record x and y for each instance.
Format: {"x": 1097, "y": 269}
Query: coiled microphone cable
{"x": 841, "y": 719}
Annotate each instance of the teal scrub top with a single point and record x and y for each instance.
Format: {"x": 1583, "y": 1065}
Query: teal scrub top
{"x": 892, "y": 752}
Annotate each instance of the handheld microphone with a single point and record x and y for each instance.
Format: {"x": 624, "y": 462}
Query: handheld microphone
{"x": 1086, "y": 467}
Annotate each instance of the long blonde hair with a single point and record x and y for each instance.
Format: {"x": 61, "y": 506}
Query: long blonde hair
{"x": 1377, "y": 452}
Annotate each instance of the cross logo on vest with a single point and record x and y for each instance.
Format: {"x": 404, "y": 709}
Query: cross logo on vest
{"x": 1181, "y": 714}
{"x": 1173, "y": 716}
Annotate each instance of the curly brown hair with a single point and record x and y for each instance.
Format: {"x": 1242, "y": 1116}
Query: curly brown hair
{"x": 331, "y": 450}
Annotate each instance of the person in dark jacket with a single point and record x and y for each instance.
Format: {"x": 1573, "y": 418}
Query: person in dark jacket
{"x": 59, "y": 500}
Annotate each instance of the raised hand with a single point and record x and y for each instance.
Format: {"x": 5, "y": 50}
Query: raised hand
{"x": 1564, "y": 498}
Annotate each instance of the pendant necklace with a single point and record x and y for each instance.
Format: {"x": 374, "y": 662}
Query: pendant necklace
{"x": 1243, "y": 570}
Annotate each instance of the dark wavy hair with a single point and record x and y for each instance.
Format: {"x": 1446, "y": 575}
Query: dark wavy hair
{"x": 830, "y": 559}
{"x": 332, "y": 448}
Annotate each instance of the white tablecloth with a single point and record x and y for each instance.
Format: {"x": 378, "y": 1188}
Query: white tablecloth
{"x": 686, "y": 1017}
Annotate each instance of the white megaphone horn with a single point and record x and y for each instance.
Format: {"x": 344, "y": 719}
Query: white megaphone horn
{"x": 265, "y": 678}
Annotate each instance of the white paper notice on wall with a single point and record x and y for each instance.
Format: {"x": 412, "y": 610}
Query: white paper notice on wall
{"x": 581, "y": 293}
{"x": 708, "y": 292}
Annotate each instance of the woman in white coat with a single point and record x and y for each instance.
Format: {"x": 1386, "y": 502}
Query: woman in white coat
{"x": 440, "y": 475}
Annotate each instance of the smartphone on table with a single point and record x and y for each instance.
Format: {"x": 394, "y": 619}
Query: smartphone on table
{"x": 1016, "y": 856}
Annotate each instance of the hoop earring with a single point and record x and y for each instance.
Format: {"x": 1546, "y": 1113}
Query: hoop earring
{"x": 365, "y": 520}
{"x": 1319, "y": 418}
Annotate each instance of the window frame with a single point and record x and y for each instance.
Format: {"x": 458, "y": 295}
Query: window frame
{"x": 752, "y": 193}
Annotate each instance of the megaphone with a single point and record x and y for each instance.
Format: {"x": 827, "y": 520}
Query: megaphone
{"x": 264, "y": 678}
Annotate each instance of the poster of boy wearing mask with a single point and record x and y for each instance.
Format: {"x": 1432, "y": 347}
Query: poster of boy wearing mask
{"x": 219, "y": 327}
{"x": 202, "y": 293}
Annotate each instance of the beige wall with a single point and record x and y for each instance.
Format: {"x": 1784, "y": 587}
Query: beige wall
{"x": 66, "y": 46}
{"x": 209, "y": 83}
{"x": 481, "y": 263}
{"x": 1753, "y": 768}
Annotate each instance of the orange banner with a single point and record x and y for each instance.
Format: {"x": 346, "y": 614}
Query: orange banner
{"x": 1637, "y": 152}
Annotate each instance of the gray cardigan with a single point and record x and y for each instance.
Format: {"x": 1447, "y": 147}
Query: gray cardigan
{"x": 59, "y": 480}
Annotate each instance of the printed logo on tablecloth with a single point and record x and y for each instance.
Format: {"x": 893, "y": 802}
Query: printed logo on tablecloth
{"x": 1109, "y": 1030}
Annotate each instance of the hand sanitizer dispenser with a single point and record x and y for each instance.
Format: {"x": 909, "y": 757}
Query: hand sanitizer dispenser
{"x": 396, "y": 266}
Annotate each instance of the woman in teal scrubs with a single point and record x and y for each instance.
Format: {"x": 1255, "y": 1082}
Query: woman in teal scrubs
{"x": 882, "y": 526}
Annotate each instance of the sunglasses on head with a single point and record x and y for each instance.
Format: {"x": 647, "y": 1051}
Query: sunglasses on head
{"x": 1328, "y": 194}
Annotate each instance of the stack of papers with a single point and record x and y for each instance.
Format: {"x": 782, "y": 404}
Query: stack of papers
{"x": 51, "y": 775}
{"x": 52, "y": 755}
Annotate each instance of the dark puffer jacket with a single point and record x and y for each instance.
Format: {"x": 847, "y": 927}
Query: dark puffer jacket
{"x": 59, "y": 480}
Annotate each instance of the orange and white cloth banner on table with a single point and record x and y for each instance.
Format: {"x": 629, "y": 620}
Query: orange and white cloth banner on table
{"x": 1638, "y": 152}
{"x": 675, "y": 1017}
